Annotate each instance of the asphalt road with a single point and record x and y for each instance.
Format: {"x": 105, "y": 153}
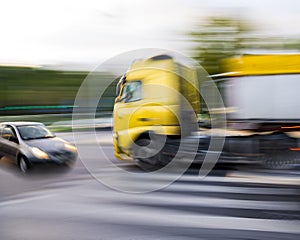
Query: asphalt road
{"x": 228, "y": 204}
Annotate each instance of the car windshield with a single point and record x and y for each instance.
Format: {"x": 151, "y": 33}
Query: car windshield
{"x": 34, "y": 132}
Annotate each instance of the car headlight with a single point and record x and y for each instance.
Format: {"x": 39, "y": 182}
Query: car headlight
{"x": 39, "y": 153}
{"x": 70, "y": 147}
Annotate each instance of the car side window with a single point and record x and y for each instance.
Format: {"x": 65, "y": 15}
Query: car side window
{"x": 9, "y": 133}
{"x": 1, "y": 128}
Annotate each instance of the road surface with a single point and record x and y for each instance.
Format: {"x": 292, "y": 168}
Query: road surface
{"x": 228, "y": 204}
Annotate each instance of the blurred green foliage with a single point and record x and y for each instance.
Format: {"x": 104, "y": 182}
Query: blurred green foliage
{"x": 26, "y": 90}
{"x": 218, "y": 38}
{"x": 30, "y": 86}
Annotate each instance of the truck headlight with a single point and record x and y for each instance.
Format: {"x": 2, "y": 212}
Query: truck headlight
{"x": 70, "y": 147}
{"x": 39, "y": 153}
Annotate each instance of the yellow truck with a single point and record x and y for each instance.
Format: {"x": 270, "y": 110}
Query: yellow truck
{"x": 157, "y": 95}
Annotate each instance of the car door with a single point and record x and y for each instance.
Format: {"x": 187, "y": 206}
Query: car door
{"x": 9, "y": 142}
{"x": 1, "y": 144}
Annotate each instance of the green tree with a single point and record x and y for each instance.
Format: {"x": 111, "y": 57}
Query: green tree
{"x": 218, "y": 38}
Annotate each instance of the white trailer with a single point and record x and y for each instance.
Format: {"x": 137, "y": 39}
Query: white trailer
{"x": 263, "y": 98}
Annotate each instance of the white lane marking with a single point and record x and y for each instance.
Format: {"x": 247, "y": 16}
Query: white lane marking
{"x": 183, "y": 187}
{"x": 232, "y": 177}
{"x": 159, "y": 218}
{"x": 260, "y": 178}
{"x": 24, "y": 200}
{"x": 119, "y": 214}
{"x": 199, "y": 201}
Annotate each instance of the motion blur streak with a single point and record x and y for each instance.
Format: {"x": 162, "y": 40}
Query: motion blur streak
{"x": 47, "y": 50}
{"x": 229, "y": 203}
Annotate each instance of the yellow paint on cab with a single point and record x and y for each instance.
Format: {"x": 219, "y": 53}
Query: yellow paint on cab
{"x": 157, "y": 108}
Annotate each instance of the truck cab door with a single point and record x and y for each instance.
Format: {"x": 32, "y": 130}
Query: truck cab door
{"x": 128, "y": 101}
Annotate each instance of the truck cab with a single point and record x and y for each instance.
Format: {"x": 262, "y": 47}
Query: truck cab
{"x": 149, "y": 101}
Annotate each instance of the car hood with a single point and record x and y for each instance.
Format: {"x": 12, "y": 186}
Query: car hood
{"x": 47, "y": 144}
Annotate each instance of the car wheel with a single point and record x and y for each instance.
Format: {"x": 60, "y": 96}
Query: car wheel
{"x": 69, "y": 165}
{"x": 23, "y": 164}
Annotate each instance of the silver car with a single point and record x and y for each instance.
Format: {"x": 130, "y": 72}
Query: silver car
{"x": 30, "y": 143}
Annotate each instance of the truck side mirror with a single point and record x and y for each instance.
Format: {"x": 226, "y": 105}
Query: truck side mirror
{"x": 120, "y": 84}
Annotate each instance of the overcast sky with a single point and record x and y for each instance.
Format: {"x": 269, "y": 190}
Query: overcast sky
{"x": 89, "y": 31}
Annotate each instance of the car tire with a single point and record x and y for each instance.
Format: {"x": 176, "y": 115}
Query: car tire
{"x": 23, "y": 164}
{"x": 69, "y": 166}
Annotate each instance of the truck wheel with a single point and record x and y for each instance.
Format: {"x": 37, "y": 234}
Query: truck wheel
{"x": 280, "y": 160}
{"x": 148, "y": 164}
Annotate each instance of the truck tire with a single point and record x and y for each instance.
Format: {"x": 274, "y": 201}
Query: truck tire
{"x": 279, "y": 160}
{"x": 148, "y": 164}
